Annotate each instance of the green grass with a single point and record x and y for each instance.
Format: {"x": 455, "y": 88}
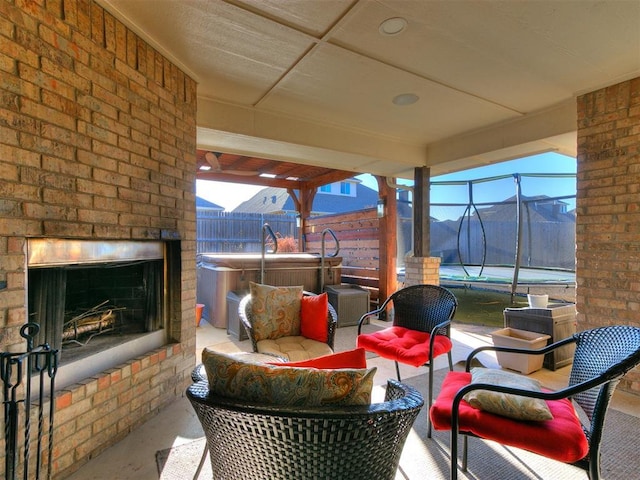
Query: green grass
{"x": 484, "y": 307}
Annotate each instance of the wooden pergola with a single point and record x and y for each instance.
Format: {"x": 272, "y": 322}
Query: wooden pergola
{"x": 302, "y": 182}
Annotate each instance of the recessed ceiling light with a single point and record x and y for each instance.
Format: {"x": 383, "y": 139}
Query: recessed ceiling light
{"x": 405, "y": 99}
{"x": 392, "y": 26}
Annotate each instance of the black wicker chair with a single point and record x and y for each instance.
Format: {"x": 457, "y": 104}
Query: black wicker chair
{"x": 256, "y": 442}
{"x": 602, "y": 357}
{"x": 419, "y": 308}
{"x": 246, "y": 318}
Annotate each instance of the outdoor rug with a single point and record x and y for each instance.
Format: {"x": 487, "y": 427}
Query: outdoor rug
{"x": 429, "y": 458}
{"x": 181, "y": 462}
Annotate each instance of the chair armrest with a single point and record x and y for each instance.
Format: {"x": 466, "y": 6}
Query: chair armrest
{"x": 566, "y": 392}
{"x": 377, "y": 311}
{"x": 244, "y": 312}
{"x": 525, "y": 351}
{"x": 446, "y": 325}
{"x": 332, "y": 325}
{"x": 199, "y": 374}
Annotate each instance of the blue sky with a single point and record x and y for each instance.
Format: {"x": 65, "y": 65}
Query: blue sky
{"x": 498, "y": 190}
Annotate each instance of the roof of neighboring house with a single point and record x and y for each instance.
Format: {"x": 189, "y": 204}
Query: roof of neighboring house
{"x": 277, "y": 200}
{"x": 202, "y": 203}
{"x": 539, "y": 208}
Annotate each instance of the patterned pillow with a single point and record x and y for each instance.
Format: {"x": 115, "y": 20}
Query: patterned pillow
{"x": 507, "y": 404}
{"x": 230, "y": 376}
{"x": 276, "y": 311}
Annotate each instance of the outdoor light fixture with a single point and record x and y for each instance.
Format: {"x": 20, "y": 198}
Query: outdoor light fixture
{"x": 405, "y": 99}
{"x": 380, "y": 211}
{"x": 392, "y": 26}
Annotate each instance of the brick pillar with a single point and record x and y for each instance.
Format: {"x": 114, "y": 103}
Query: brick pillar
{"x": 608, "y": 210}
{"x": 425, "y": 270}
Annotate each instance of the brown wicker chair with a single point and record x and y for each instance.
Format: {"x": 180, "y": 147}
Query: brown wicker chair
{"x": 420, "y": 331}
{"x": 602, "y": 357}
{"x": 256, "y": 442}
{"x": 246, "y": 318}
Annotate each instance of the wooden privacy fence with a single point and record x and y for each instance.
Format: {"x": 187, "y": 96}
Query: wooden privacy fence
{"x": 358, "y": 233}
{"x": 233, "y": 232}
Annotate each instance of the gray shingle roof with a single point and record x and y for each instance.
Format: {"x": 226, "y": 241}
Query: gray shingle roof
{"x": 277, "y": 200}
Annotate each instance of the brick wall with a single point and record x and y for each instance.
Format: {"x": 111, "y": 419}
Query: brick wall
{"x": 97, "y": 141}
{"x": 608, "y": 210}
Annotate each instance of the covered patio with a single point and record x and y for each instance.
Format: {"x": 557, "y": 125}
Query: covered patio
{"x": 105, "y": 106}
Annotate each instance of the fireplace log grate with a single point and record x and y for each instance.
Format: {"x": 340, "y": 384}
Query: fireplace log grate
{"x": 96, "y": 321}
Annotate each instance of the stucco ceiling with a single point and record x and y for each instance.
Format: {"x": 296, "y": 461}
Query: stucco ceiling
{"x": 312, "y": 81}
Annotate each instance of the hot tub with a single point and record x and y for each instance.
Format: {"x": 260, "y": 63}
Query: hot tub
{"x": 221, "y": 273}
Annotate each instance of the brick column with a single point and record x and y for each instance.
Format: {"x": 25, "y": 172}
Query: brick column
{"x": 608, "y": 210}
{"x": 422, "y": 270}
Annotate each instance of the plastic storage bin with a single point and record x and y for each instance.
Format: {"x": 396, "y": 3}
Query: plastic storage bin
{"x": 514, "y": 338}
{"x": 349, "y": 301}
{"x": 234, "y": 325}
{"x": 558, "y": 321}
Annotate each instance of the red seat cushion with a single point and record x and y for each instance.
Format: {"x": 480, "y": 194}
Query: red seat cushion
{"x": 561, "y": 438}
{"x": 404, "y": 345}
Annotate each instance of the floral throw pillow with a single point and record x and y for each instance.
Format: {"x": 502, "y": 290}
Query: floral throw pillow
{"x": 275, "y": 310}
{"x": 230, "y": 376}
{"x": 506, "y": 404}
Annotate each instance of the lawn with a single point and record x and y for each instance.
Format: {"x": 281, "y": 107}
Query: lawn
{"x": 484, "y": 307}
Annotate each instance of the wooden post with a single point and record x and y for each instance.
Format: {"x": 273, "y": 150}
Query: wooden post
{"x": 303, "y": 207}
{"x": 388, "y": 240}
{"x": 421, "y": 213}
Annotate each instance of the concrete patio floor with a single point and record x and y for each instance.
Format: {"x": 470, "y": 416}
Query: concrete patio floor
{"x": 134, "y": 457}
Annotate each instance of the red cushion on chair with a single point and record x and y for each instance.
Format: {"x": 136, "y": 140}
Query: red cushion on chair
{"x": 561, "y": 438}
{"x": 313, "y": 317}
{"x": 404, "y": 345}
{"x": 350, "y": 359}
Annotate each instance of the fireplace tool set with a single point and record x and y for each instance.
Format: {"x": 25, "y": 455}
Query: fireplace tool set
{"x": 28, "y": 380}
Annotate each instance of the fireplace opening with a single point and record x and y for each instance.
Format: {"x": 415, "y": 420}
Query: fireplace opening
{"x": 86, "y": 309}
{"x": 98, "y": 302}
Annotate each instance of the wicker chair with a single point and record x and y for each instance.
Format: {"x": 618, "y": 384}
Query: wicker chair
{"x": 602, "y": 357}
{"x": 246, "y": 317}
{"x": 420, "y": 331}
{"x": 250, "y": 441}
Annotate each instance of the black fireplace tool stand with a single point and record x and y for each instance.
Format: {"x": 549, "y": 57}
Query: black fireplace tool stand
{"x": 28, "y": 380}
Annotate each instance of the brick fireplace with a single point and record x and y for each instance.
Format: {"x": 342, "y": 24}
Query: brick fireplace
{"x": 97, "y": 145}
{"x": 98, "y": 302}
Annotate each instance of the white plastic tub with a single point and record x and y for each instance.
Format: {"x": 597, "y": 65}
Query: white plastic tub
{"x": 514, "y": 338}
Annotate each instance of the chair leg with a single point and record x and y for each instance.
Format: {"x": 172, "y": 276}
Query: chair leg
{"x": 450, "y": 361}
{"x": 454, "y": 454}
{"x": 430, "y": 399}
{"x": 594, "y": 464}
{"x": 465, "y": 447}
{"x": 202, "y": 460}
{"x": 398, "y": 371}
